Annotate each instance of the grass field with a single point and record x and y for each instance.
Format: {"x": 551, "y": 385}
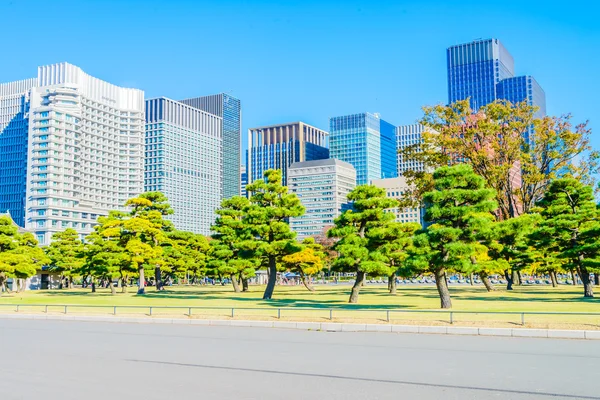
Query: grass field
{"x": 334, "y": 297}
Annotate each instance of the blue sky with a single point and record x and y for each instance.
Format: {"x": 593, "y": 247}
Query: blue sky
{"x": 306, "y": 60}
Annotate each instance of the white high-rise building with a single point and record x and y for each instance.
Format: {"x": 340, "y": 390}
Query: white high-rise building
{"x": 408, "y": 135}
{"x": 323, "y": 187}
{"x": 83, "y": 152}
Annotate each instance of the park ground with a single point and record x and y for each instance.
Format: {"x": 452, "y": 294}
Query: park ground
{"x": 411, "y": 305}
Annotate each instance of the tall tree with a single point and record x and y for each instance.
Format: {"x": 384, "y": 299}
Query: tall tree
{"x": 458, "y": 207}
{"x": 517, "y": 154}
{"x": 570, "y": 226}
{"x": 395, "y": 240}
{"x": 360, "y": 251}
{"x": 228, "y": 255}
{"x": 186, "y": 253}
{"x": 266, "y": 217}
{"x": 64, "y": 252}
{"x": 9, "y": 242}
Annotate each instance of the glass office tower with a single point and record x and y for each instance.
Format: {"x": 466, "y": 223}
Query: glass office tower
{"x": 279, "y": 146}
{"x": 184, "y": 161}
{"x": 483, "y": 71}
{"x": 366, "y": 142}
{"x": 230, "y": 110}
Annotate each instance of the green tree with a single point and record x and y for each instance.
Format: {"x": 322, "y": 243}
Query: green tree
{"x": 306, "y": 261}
{"x": 459, "y": 206}
{"x": 395, "y": 239}
{"x": 360, "y": 251}
{"x": 266, "y": 217}
{"x": 228, "y": 255}
{"x": 9, "y": 242}
{"x": 570, "y": 226}
{"x": 64, "y": 252}
{"x": 187, "y": 253}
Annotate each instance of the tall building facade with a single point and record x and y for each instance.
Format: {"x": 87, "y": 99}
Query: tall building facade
{"x": 483, "y": 71}
{"x": 244, "y": 181}
{"x": 184, "y": 160}
{"x": 367, "y": 142}
{"x": 279, "y": 146}
{"x": 408, "y": 135}
{"x": 394, "y": 189}
{"x": 73, "y": 149}
{"x": 230, "y": 110}
{"x": 322, "y": 187}
{"x": 14, "y": 128}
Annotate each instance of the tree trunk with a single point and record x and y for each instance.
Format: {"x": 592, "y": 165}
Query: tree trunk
{"x": 392, "y": 283}
{"x": 486, "y": 281}
{"x": 113, "y": 289}
{"x": 509, "y": 280}
{"x": 272, "y": 279}
{"x": 520, "y": 278}
{"x": 158, "y": 278}
{"x": 597, "y": 278}
{"x": 588, "y": 285}
{"x": 573, "y": 277}
{"x": 93, "y": 285}
{"x": 553, "y": 278}
{"x": 234, "y": 281}
{"x": 124, "y": 287}
{"x": 141, "y": 282}
{"x": 442, "y": 287}
{"x": 244, "y": 284}
{"x": 306, "y": 282}
{"x": 360, "y": 277}
{"x": 70, "y": 280}
{"x": 471, "y": 279}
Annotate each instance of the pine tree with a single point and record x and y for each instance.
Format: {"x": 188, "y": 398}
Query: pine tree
{"x": 569, "y": 228}
{"x": 458, "y": 208}
{"x": 360, "y": 251}
{"x": 266, "y": 218}
{"x": 64, "y": 255}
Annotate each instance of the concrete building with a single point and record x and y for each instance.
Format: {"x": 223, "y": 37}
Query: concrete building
{"x": 367, "y": 142}
{"x": 279, "y": 146}
{"x": 229, "y": 109}
{"x": 70, "y": 149}
{"x": 394, "y": 189}
{"x": 184, "y": 160}
{"x": 322, "y": 186}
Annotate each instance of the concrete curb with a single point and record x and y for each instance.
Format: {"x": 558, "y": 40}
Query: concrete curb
{"x": 329, "y": 326}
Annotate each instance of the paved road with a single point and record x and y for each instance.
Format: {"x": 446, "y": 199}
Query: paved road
{"x": 85, "y": 360}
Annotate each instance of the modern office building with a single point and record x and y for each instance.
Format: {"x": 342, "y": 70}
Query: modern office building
{"x": 408, "y": 135}
{"x": 366, "y": 142}
{"x": 244, "y": 181}
{"x": 184, "y": 160}
{"x": 483, "y": 71}
{"x": 322, "y": 186}
{"x": 14, "y": 128}
{"x": 394, "y": 189}
{"x": 70, "y": 148}
{"x": 279, "y": 146}
{"x": 230, "y": 110}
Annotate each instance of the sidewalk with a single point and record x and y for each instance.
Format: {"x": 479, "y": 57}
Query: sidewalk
{"x": 329, "y": 326}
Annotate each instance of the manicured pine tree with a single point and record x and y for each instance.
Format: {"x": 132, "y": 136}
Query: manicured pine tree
{"x": 227, "y": 255}
{"x": 64, "y": 252}
{"x": 457, "y": 209}
{"x": 267, "y": 217}
{"x": 570, "y": 226}
{"x": 395, "y": 239}
{"x": 360, "y": 251}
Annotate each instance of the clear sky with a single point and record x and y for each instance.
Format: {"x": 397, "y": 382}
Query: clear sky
{"x": 307, "y": 60}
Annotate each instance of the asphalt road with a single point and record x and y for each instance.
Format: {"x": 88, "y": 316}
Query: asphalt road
{"x": 86, "y": 360}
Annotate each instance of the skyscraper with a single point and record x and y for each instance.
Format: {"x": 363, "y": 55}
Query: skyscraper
{"x": 279, "y": 146}
{"x": 70, "y": 148}
{"x": 408, "y": 135}
{"x": 483, "y": 71}
{"x": 184, "y": 160}
{"x": 244, "y": 181}
{"x": 14, "y": 127}
{"x": 230, "y": 110}
{"x": 366, "y": 142}
{"x": 394, "y": 189}
{"x": 322, "y": 186}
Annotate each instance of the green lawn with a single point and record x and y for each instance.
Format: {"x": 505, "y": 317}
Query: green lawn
{"x": 372, "y": 297}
